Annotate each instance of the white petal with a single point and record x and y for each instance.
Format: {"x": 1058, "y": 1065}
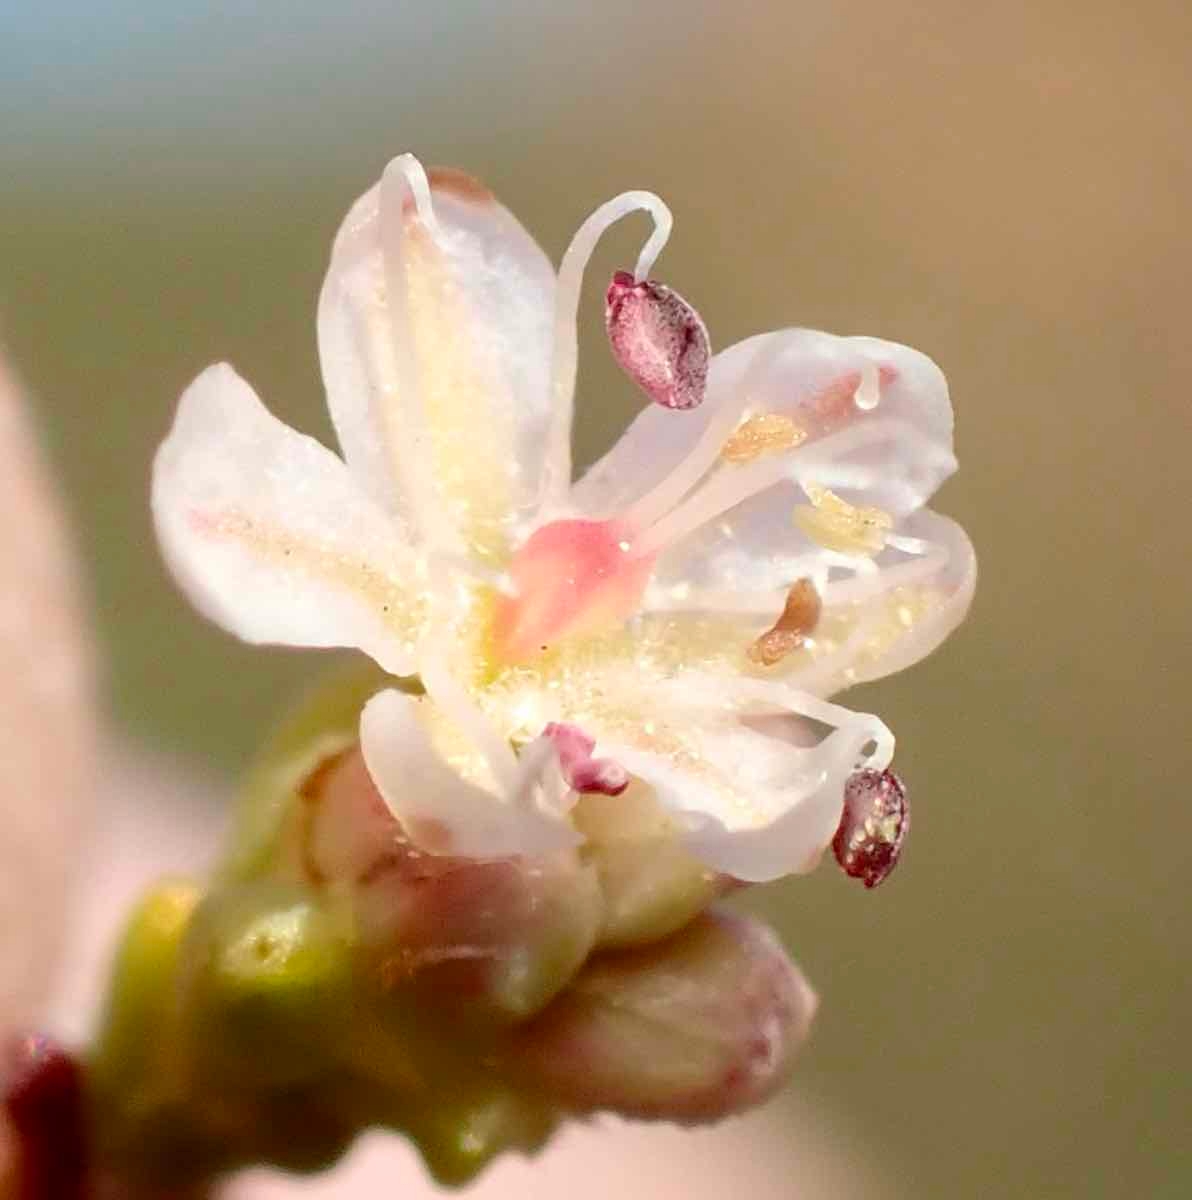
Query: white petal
{"x": 751, "y": 772}
{"x": 440, "y": 810}
{"x": 903, "y": 445}
{"x": 435, "y": 346}
{"x": 268, "y": 534}
{"x": 923, "y": 599}
{"x": 723, "y": 587}
{"x": 751, "y": 804}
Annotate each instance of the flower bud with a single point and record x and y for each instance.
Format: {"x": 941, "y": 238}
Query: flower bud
{"x": 691, "y": 1029}
{"x": 265, "y": 970}
{"x": 462, "y": 1131}
{"x": 651, "y": 884}
{"x": 483, "y": 939}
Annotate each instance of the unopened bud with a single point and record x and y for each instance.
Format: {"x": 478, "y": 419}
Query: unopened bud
{"x": 652, "y": 885}
{"x": 483, "y": 940}
{"x": 873, "y": 827}
{"x": 693, "y": 1028}
{"x": 266, "y": 970}
{"x": 658, "y": 340}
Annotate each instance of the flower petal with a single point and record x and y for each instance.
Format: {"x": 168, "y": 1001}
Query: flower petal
{"x": 442, "y": 811}
{"x": 851, "y": 407}
{"x": 721, "y": 589}
{"x": 754, "y": 832}
{"x": 435, "y": 340}
{"x": 269, "y": 536}
{"x": 928, "y": 598}
{"x": 737, "y": 763}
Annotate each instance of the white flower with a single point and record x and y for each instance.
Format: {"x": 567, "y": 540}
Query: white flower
{"x": 687, "y": 605}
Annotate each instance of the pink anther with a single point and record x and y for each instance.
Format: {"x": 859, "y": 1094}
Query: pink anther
{"x": 658, "y": 340}
{"x": 581, "y": 770}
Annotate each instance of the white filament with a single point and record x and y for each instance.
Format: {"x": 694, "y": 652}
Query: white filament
{"x": 537, "y": 765}
{"x": 436, "y": 652}
{"x": 565, "y": 349}
{"x": 803, "y": 704}
{"x": 472, "y": 569}
{"x": 453, "y": 701}
{"x": 724, "y": 418}
{"x": 815, "y": 464}
{"x": 404, "y": 177}
{"x": 819, "y": 454}
{"x": 921, "y": 567}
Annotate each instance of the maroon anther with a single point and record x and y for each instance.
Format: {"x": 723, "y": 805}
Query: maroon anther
{"x": 874, "y": 825}
{"x": 581, "y": 770}
{"x": 658, "y": 339}
{"x": 43, "y": 1100}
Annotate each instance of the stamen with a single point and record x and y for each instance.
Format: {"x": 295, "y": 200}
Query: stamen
{"x": 799, "y": 617}
{"x": 873, "y": 826}
{"x": 665, "y": 520}
{"x": 583, "y": 772}
{"x": 453, "y": 700}
{"x": 722, "y": 420}
{"x": 905, "y": 574}
{"x": 903, "y": 436}
{"x": 864, "y": 728}
{"x": 404, "y": 178}
{"x": 725, "y": 490}
{"x": 440, "y": 563}
{"x": 557, "y": 475}
{"x": 837, "y": 525}
{"x": 658, "y": 340}
{"x": 766, "y": 433}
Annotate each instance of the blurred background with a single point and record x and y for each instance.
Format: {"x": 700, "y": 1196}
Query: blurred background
{"x": 1006, "y": 187}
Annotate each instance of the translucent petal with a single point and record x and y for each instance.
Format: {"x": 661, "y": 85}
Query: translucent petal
{"x": 269, "y": 535}
{"x": 922, "y": 600}
{"x": 749, "y": 798}
{"x": 899, "y": 449}
{"x": 751, "y": 804}
{"x": 716, "y": 593}
{"x": 440, "y": 391}
{"x": 436, "y": 785}
{"x": 659, "y": 439}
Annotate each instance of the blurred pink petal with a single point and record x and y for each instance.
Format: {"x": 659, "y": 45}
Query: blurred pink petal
{"x": 45, "y": 712}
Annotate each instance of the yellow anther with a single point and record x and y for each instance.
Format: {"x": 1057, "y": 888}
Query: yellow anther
{"x": 799, "y": 617}
{"x": 837, "y": 525}
{"x": 766, "y": 433}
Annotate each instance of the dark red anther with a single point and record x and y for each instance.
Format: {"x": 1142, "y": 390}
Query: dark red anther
{"x": 658, "y": 339}
{"x": 43, "y": 1101}
{"x": 874, "y": 825}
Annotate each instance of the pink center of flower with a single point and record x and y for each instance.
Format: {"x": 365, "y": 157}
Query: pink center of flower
{"x": 583, "y": 772}
{"x": 570, "y": 577}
